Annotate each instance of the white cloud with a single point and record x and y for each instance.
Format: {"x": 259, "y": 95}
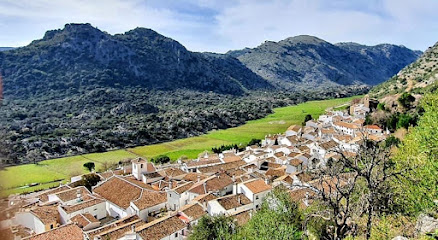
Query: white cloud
{"x": 216, "y": 25}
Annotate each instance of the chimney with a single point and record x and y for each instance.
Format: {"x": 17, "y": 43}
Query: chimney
{"x": 204, "y": 184}
{"x": 133, "y": 228}
{"x": 199, "y": 178}
{"x": 250, "y": 214}
{"x": 239, "y": 199}
{"x": 267, "y": 181}
{"x": 234, "y": 178}
{"x": 205, "y": 204}
{"x": 79, "y": 195}
{"x": 170, "y": 184}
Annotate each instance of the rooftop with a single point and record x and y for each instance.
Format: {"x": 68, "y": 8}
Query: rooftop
{"x": 149, "y": 199}
{"x": 70, "y": 232}
{"x": 118, "y": 191}
{"x": 161, "y": 228}
{"x": 81, "y": 205}
{"x": 257, "y": 186}
{"x": 233, "y": 201}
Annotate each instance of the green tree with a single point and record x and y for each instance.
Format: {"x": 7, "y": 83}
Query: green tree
{"x": 161, "y": 159}
{"x": 418, "y": 154}
{"x": 89, "y": 166}
{"x": 279, "y": 218}
{"x": 211, "y": 228}
{"x": 406, "y": 99}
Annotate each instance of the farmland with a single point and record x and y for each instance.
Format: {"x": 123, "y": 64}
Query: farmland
{"x": 50, "y": 172}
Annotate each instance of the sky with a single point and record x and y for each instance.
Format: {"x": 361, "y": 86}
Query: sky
{"x": 222, "y": 25}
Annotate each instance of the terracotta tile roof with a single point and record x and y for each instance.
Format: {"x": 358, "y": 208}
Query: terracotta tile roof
{"x": 121, "y": 222}
{"x": 149, "y": 199}
{"x": 161, "y": 228}
{"x": 106, "y": 175}
{"x": 328, "y": 131}
{"x": 224, "y": 167}
{"x": 194, "y": 177}
{"x": 231, "y": 158}
{"x": 275, "y": 172}
{"x": 193, "y": 211}
{"x": 242, "y": 217}
{"x": 212, "y": 184}
{"x": 183, "y": 188}
{"x": 304, "y": 177}
{"x": 70, "y": 232}
{"x": 279, "y": 154}
{"x": 295, "y": 162}
{"x": 293, "y": 154}
{"x": 172, "y": 172}
{"x": 83, "y": 220}
{"x": 203, "y": 162}
{"x": 299, "y": 196}
{"x": 304, "y": 149}
{"x": 160, "y": 185}
{"x": 118, "y": 191}
{"x": 81, "y": 205}
{"x": 346, "y": 125}
{"x": 329, "y": 145}
{"x": 344, "y": 138}
{"x": 138, "y": 183}
{"x": 273, "y": 165}
{"x": 44, "y": 197}
{"x": 294, "y": 128}
{"x": 235, "y": 172}
{"x": 306, "y": 155}
{"x": 47, "y": 214}
{"x": 293, "y": 139}
{"x": 119, "y": 231}
{"x": 71, "y": 194}
{"x": 257, "y": 186}
{"x": 374, "y": 127}
{"x": 233, "y": 201}
{"x": 204, "y": 198}
{"x": 139, "y": 160}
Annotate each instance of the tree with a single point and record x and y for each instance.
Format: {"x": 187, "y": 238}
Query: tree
{"x": 308, "y": 117}
{"x": 254, "y": 142}
{"x": 406, "y": 99}
{"x": 89, "y": 166}
{"x": 210, "y": 228}
{"x": 278, "y": 218}
{"x": 356, "y": 185}
{"x": 161, "y": 159}
{"x": 418, "y": 155}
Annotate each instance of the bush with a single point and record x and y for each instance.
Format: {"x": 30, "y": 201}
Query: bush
{"x": 161, "y": 159}
{"x": 89, "y": 165}
{"x": 406, "y": 99}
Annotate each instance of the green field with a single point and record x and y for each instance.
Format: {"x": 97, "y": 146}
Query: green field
{"x": 63, "y": 168}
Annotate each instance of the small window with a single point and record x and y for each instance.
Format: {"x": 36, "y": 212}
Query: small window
{"x": 141, "y": 166}
{"x": 176, "y": 234}
{"x": 257, "y": 197}
{"x": 51, "y": 226}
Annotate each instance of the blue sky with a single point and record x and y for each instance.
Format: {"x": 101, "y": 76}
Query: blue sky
{"x": 221, "y": 25}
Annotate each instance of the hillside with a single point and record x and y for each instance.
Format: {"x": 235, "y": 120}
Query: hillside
{"x": 418, "y": 77}
{"x": 5, "y": 48}
{"x": 306, "y": 61}
{"x": 83, "y": 57}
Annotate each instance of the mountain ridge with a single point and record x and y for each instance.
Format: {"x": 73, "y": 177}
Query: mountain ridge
{"x": 307, "y": 61}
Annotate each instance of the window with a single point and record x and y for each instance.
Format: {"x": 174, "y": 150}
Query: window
{"x": 176, "y": 234}
{"x": 51, "y": 226}
{"x": 257, "y": 197}
{"x": 141, "y": 165}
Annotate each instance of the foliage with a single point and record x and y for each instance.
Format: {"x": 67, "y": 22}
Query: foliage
{"x": 279, "y": 218}
{"x": 88, "y": 181}
{"x": 308, "y": 117}
{"x": 406, "y": 100}
{"x": 392, "y": 141}
{"x": 161, "y": 159}
{"x": 89, "y": 165}
{"x": 419, "y": 153}
{"x": 211, "y": 228}
{"x": 254, "y": 141}
{"x": 381, "y": 106}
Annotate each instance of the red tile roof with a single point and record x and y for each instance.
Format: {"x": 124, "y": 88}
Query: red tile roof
{"x": 257, "y": 186}
{"x": 118, "y": 191}
{"x": 70, "y": 232}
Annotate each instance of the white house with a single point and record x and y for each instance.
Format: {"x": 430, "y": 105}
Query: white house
{"x": 255, "y": 190}
{"x": 229, "y": 204}
{"x": 149, "y": 204}
{"x": 178, "y": 196}
{"x": 293, "y": 130}
{"x": 39, "y": 219}
{"x": 95, "y": 207}
{"x": 140, "y": 166}
{"x": 166, "y": 228}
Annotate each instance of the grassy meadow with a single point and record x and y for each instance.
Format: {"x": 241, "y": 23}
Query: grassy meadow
{"x": 12, "y": 178}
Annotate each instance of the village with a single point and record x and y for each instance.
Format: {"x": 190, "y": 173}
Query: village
{"x": 141, "y": 200}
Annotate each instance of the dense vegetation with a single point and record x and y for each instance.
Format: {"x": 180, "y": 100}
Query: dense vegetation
{"x": 39, "y": 128}
{"x": 278, "y": 218}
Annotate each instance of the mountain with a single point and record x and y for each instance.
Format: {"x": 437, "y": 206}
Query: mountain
{"x": 417, "y": 78}
{"x": 303, "y": 62}
{"x": 5, "y": 48}
{"x": 83, "y": 57}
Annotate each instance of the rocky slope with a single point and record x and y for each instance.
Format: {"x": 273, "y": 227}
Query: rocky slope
{"x": 83, "y": 57}
{"x": 306, "y": 61}
{"x": 418, "y": 77}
